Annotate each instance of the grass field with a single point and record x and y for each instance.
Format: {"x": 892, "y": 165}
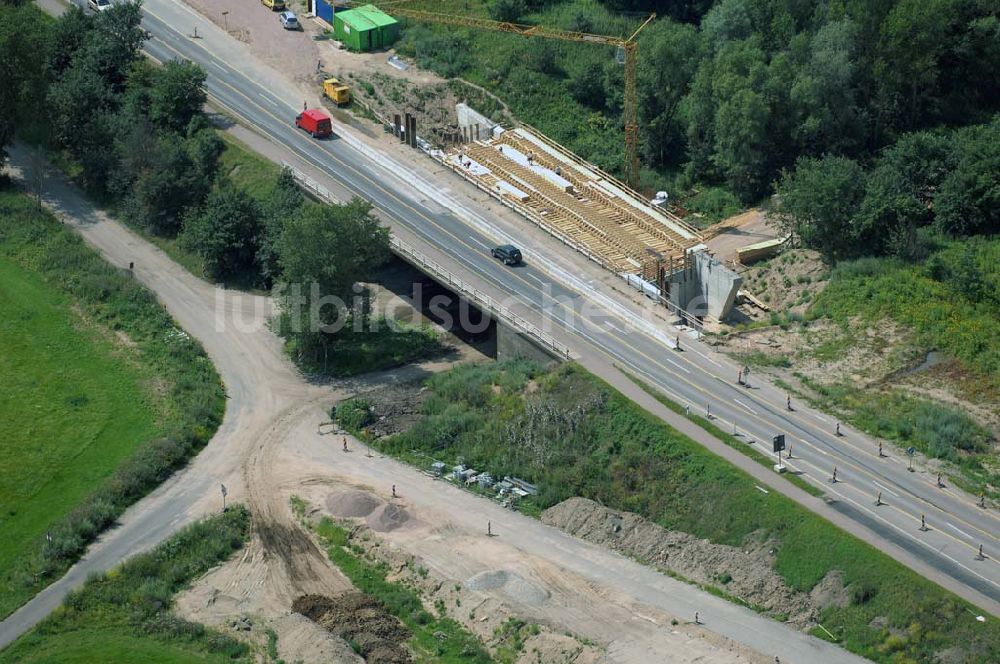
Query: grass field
{"x": 74, "y": 404}
{"x": 124, "y": 616}
{"x": 103, "y": 397}
{"x": 575, "y": 436}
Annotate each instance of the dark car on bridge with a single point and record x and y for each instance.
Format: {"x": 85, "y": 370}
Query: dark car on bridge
{"x": 508, "y": 253}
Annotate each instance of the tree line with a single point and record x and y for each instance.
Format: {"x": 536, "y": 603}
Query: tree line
{"x": 136, "y": 136}
{"x": 736, "y": 94}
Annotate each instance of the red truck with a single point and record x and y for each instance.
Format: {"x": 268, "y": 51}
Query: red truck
{"x": 314, "y": 121}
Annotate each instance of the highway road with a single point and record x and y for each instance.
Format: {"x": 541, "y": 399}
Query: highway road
{"x": 607, "y": 335}
{"x": 696, "y": 377}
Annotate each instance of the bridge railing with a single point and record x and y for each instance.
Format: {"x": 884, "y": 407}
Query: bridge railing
{"x": 434, "y": 269}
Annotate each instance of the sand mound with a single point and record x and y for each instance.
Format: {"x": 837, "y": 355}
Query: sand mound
{"x": 352, "y": 503}
{"x": 514, "y": 585}
{"x": 746, "y": 572}
{"x": 387, "y": 517}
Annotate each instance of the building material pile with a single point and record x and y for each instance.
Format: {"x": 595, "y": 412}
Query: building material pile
{"x": 576, "y": 202}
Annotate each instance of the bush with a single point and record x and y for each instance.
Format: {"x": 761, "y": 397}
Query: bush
{"x": 354, "y": 415}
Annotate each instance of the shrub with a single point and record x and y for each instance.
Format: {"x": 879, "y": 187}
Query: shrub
{"x": 354, "y": 415}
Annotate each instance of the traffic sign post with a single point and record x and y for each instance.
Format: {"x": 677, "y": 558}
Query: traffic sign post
{"x": 224, "y": 494}
{"x": 778, "y": 444}
{"x": 910, "y": 451}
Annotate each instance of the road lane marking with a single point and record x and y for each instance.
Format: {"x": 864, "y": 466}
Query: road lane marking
{"x": 745, "y": 406}
{"x": 959, "y": 530}
{"x": 888, "y": 491}
{"x": 312, "y": 159}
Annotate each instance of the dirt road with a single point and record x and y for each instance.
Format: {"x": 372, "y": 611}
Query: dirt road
{"x": 268, "y": 440}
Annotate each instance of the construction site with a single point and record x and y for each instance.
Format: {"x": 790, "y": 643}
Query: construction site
{"x": 636, "y": 238}
{"x": 576, "y": 202}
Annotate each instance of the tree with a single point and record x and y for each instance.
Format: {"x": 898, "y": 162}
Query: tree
{"x": 176, "y": 95}
{"x": 225, "y": 232}
{"x": 587, "y": 85}
{"x": 668, "y": 61}
{"x": 69, "y": 32}
{"x": 170, "y": 183}
{"x": 22, "y": 72}
{"x": 818, "y": 202}
{"x": 740, "y": 139}
{"x": 507, "y": 10}
{"x": 968, "y": 199}
{"x": 284, "y": 201}
{"x": 323, "y": 252}
{"x": 823, "y": 93}
{"x": 333, "y": 246}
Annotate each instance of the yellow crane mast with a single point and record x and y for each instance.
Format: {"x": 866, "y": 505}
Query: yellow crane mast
{"x": 628, "y": 46}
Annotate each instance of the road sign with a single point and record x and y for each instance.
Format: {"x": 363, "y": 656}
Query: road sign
{"x": 911, "y": 451}
{"x": 224, "y": 491}
{"x": 778, "y": 442}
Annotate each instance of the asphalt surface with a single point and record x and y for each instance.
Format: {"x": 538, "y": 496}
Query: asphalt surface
{"x": 556, "y": 303}
{"x": 693, "y": 376}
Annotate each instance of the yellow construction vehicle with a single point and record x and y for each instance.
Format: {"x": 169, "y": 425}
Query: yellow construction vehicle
{"x": 338, "y": 93}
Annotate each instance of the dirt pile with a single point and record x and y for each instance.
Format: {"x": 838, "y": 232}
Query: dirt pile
{"x": 512, "y": 584}
{"x": 746, "y": 573}
{"x": 352, "y": 503}
{"x": 395, "y": 408}
{"x": 387, "y": 517}
{"x": 359, "y": 619}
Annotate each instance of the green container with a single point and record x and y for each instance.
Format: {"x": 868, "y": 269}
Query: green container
{"x": 365, "y": 28}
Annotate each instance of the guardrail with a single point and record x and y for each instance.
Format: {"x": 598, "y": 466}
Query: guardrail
{"x": 443, "y": 276}
{"x": 484, "y": 301}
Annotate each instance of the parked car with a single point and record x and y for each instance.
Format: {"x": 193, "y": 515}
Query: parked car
{"x": 99, "y": 5}
{"x": 273, "y": 5}
{"x": 288, "y": 21}
{"x": 508, "y": 253}
{"x": 314, "y": 121}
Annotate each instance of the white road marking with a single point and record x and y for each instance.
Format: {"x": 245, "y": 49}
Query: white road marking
{"x": 888, "y": 491}
{"x": 959, "y": 531}
{"x": 761, "y": 489}
{"x": 745, "y": 406}
{"x": 480, "y": 243}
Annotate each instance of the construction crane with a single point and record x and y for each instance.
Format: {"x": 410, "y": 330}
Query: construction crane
{"x": 627, "y": 46}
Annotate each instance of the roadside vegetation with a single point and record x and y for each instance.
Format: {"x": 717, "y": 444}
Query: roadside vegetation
{"x": 946, "y": 303}
{"x": 125, "y": 616}
{"x": 573, "y": 435}
{"x": 751, "y": 87}
{"x": 146, "y": 149}
{"x": 434, "y": 638}
{"x": 105, "y": 397}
